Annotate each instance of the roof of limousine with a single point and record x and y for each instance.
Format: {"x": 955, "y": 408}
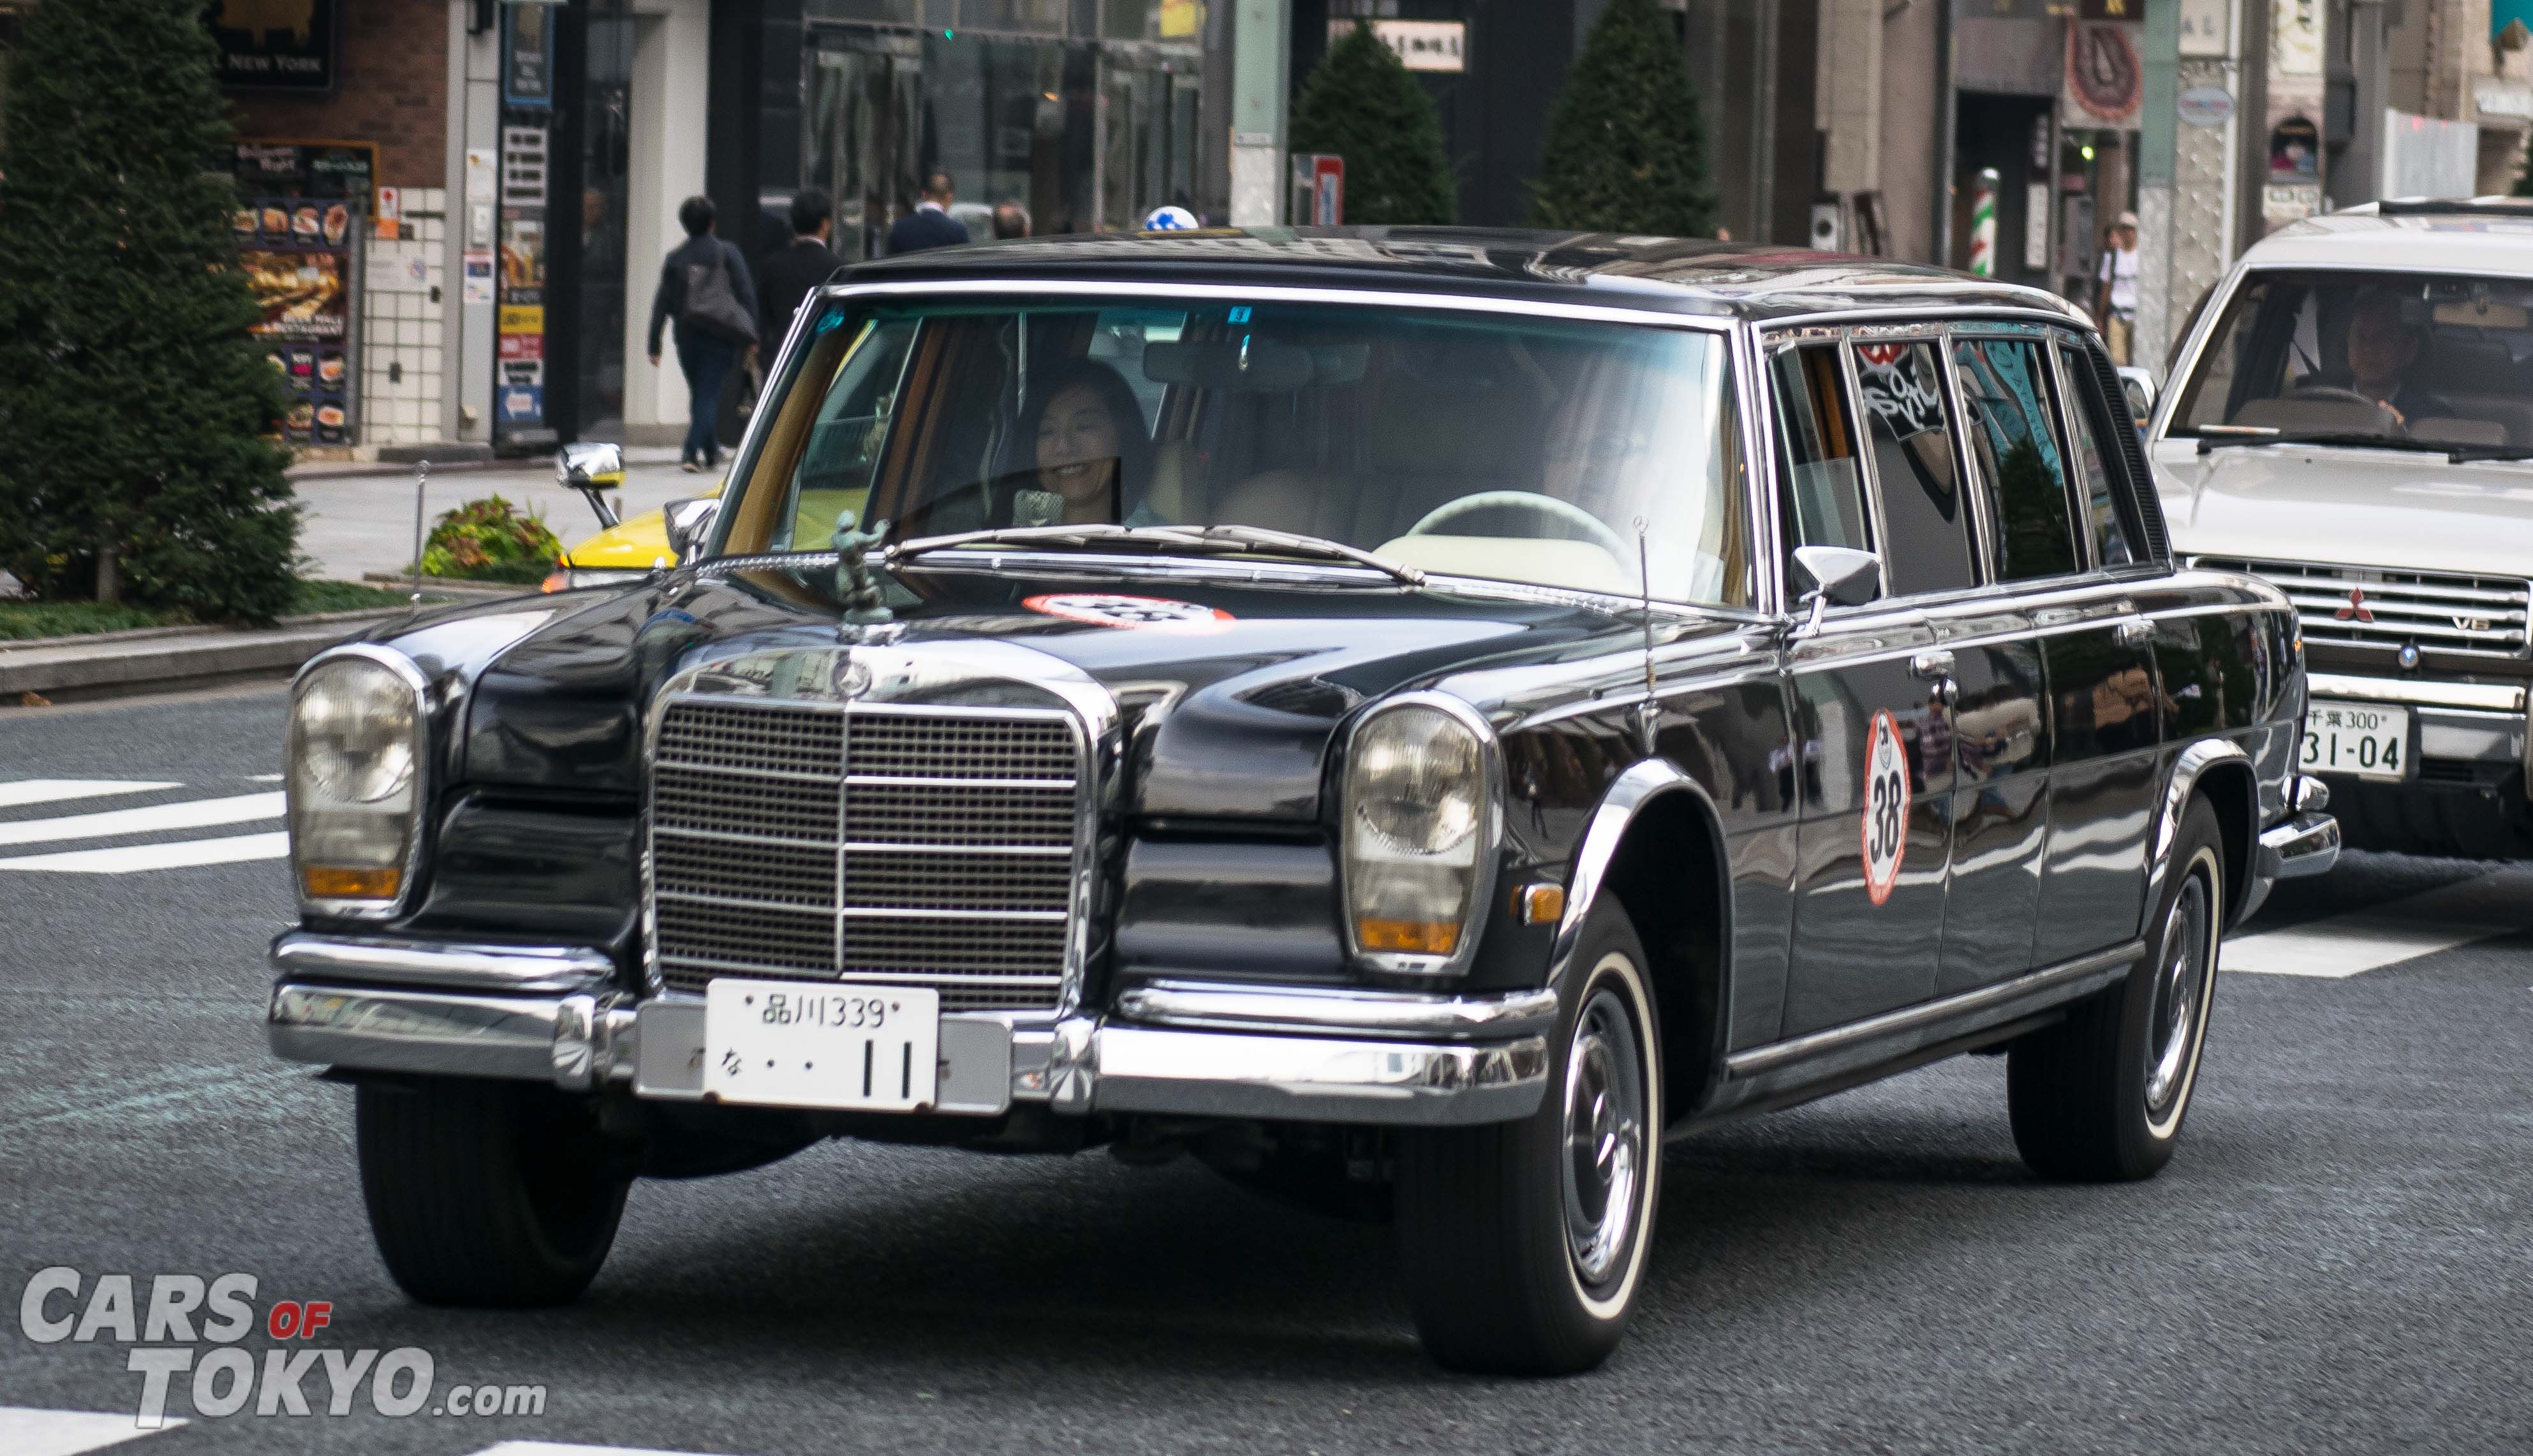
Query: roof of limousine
{"x": 1662, "y": 275}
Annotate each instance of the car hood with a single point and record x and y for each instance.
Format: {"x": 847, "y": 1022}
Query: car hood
{"x": 2397, "y": 509}
{"x": 1240, "y": 685}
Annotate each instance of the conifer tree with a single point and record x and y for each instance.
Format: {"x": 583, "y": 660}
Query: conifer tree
{"x": 1626, "y": 145}
{"x": 136, "y": 413}
{"x": 1362, "y": 103}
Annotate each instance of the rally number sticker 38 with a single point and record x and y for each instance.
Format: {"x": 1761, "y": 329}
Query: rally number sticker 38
{"x": 1145, "y": 614}
{"x": 1885, "y": 806}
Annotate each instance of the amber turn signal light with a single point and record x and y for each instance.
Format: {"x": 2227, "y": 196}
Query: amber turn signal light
{"x": 321, "y": 883}
{"x": 1408, "y": 937}
{"x": 1539, "y": 904}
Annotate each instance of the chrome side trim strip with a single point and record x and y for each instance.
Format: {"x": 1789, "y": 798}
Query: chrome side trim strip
{"x": 371, "y": 961}
{"x": 1218, "y": 1007}
{"x": 1910, "y": 1017}
{"x": 2492, "y": 697}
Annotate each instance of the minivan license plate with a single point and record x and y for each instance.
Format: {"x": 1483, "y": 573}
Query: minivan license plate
{"x": 865, "y": 1048}
{"x": 2367, "y": 741}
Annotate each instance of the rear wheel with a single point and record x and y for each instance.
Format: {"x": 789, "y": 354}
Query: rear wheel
{"x": 2100, "y": 1096}
{"x": 487, "y": 1193}
{"x": 1524, "y": 1243}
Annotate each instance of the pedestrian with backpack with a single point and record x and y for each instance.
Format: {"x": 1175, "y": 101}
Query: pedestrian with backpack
{"x": 704, "y": 289}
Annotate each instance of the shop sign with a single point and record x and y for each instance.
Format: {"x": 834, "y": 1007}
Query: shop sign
{"x": 2500, "y": 99}
{"x": 2205, "y": 106}
{"x": 276, "y": 46}
{"x": 2105, "y": 80}
{"x": 527, "y": 55}
{"x": 300, "y": 205}
{"x": 1420, "y": 45}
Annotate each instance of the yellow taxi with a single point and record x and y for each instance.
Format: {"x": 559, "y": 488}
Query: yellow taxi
{"x": 632, "y": 546}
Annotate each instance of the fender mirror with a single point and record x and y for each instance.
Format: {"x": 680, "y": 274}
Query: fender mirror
{"x": 591, "y": 469}
{"x": 690, "y": 522}
{"x": 2139, "y": 385}
{"x": 1827, "y": 576}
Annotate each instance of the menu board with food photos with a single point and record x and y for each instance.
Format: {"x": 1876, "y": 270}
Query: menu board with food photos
{"x": 300, "y": 207}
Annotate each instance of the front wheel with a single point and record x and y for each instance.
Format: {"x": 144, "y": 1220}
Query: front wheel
{"x": 2100, "y": 1097}
{"x": 493, "y": 1195}
{"x": 1524, "y": 1243}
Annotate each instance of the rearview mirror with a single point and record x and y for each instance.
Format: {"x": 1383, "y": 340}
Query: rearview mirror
{"x": 2139, "y": 385}
{"x": 1827, "y": 576}
{"x": 690, "y": 522}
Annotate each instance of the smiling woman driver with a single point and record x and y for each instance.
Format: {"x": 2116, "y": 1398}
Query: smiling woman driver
{"x": 1091, "y": 452}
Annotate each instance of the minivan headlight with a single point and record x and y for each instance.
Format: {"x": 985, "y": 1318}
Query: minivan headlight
{"x": 353, "y": 773}
{"x": 1418, "y": 836}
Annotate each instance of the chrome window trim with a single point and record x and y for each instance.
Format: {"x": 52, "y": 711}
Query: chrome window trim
{"x": 410, "y": 871}
{"x": 1089, "y": 710}
{"x": 1491, "y": 833}
{"x": 1384, "y": 298}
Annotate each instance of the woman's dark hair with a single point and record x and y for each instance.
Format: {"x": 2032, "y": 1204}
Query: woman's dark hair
{"x": 1125, "y": 411}
{"x": 695, "y": 215}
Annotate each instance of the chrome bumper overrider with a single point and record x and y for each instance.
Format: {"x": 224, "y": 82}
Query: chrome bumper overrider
{"x": 554, "y": 1015}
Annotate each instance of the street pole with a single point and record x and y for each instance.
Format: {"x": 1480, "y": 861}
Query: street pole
{"x": 2189, "y": 166}
{"x": 1261, "y": 62}
{"x": 421, "y": 478}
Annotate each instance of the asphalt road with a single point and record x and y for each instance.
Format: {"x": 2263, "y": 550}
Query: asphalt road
{"x": 2340, "y": 1258}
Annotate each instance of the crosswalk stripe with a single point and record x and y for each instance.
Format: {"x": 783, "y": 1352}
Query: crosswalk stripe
{"x": 2361, "y": 940}
{"x": 548, "y": 1448}
{"x": 124, "y": 860}
{"x": 32, "y": 1432}
{"x": 50, "y": 791}
{"x": 191, "y": 814}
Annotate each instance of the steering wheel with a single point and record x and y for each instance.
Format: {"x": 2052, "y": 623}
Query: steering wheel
{"x": 2335, "y": 393}
{"x": 1567, "y": 512}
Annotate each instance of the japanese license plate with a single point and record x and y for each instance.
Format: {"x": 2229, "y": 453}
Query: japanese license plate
{"x": 2368, "y": 740}
{"x": 867, "y": 1048}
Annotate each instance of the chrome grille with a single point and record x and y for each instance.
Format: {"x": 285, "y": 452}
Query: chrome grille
{"x": 2441, "y": 612}
{"x": 931, "y": 846}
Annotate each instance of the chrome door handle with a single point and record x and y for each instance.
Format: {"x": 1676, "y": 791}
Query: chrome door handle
{"x": 1931, "y": 664}
{"x": 2136, "y": 631}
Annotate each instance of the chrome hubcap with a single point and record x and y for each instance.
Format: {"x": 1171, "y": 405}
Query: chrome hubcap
{"x": 1605, "y": 1137}
{"x": 2180, "y": 986}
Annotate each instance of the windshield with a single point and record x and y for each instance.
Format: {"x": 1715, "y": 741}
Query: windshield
{"x": 1518, "y": 450}
{"x": 2440, "y": 360}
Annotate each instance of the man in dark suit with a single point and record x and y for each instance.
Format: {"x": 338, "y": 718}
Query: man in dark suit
{"x": 930, "y": 224}
{"x": 789, "y": 275}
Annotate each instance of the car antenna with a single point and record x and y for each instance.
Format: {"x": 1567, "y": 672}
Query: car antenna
{"x": 1647, "y": 712}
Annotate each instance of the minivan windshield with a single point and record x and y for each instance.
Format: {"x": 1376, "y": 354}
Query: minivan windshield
{"x": 1489, "y": 446}
{"x": 2408, "y": 360}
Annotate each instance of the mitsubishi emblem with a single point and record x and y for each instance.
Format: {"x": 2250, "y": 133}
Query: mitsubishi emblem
{"x": 2356, "y": 608}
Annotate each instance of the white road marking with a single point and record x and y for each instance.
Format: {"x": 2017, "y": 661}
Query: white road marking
{"x": 235, "y": 849}
{"x": 2365, "y": 940}
{"x": 191, "y": 814}
{"x": 28, "y": 1432}
{"x": 48, "y": 790}
{"x": 548, "y": 1448}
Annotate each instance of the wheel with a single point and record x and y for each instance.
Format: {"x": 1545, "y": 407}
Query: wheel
{"x": 485, "y": 1193}
{"x": 1524, "y": 1243}
{"x": 2100, "y": 1096}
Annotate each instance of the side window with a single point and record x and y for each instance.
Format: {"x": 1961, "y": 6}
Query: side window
{"x": 1820, "y": 492}
{"x": 1924, "y": 509}
{"x": 2106, "y": 516}
{"x": 2015, "y": 452}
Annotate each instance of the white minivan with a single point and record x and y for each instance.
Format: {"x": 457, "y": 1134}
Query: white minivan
{"x": 2351, "y": 417}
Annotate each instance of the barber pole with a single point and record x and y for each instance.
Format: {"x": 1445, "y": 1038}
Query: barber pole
{"x": 1983, "y": 223}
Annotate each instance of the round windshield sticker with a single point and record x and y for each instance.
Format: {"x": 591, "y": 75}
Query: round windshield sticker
{"x": 1885, "y": 806}
{"x": 1143, "y": 614}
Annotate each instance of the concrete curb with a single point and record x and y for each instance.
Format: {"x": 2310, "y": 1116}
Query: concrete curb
{"x": 161, "y": 659}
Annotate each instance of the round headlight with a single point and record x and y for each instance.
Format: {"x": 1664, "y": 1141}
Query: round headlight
{"x": 352, "y": 730}
{"x": 1418, "y": 788}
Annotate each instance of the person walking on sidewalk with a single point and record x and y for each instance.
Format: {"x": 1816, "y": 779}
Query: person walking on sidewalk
{"x": 791, "y": 273}
{"x": 930, "y": 224}
{"x": 2116, "y": 308}
{"x": 705, "y": 289}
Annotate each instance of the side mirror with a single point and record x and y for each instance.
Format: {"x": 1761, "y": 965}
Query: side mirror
{"x": 591, "y": 469}
{"x": 2139, "y": 385}
{"x": 1827, "y": 576}
{"x": 690, "y": 522}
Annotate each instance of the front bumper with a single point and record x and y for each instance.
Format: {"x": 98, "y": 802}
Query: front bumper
{"x": 1192, "y": 1049}
{"x": 2478, "y": 723}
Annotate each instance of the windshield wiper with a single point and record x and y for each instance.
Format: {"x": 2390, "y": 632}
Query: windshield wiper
{"x": 2208, "y": 442}
{"x": 1207, "y": 540}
